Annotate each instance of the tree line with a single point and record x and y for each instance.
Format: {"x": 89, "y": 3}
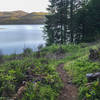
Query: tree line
{"x": 72, "y": 21}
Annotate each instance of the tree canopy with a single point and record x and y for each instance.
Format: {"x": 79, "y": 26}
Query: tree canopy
{"x": 72, "y": 21}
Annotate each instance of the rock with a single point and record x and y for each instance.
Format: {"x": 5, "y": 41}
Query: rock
{"x": 93, "y": 76}
{"x": 94, "y": 54}
{"x": 69, "y": 82}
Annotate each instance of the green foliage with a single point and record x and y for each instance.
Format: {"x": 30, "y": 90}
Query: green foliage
{"x": 39, "y": 92}
{"x": 72, "y": 21}
{"x": 13, "y": 73}
{"x": 92, "y": 92}
{"x": 56, "y": 25}
{"x": 27, "y": 52}
{"x": 87, "y": 19}
{"x": 46, "y": 89}
{"x": 66, "y": 48}
{"x": 48, "y": 84}
{"x": 78, "y": 65}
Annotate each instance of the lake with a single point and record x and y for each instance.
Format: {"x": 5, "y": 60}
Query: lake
{"x": 14, "y": 38}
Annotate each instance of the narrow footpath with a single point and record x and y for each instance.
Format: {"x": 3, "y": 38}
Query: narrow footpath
{"x": 69, "y": 91}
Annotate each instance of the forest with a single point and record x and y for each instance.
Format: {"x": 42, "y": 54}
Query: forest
{"x": 72, "y": 21}
{"x": 68, "y": 67}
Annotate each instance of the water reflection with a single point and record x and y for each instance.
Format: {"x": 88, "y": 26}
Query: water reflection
{"x": 16, "y": 37}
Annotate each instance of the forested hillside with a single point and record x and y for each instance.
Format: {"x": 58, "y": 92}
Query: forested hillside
{"x": 21, "y": 17}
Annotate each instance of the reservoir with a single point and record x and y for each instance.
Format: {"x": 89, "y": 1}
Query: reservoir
{"x": 15, "y": 38}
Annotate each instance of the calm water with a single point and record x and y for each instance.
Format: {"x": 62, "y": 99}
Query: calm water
{"x": 13, "y": 38}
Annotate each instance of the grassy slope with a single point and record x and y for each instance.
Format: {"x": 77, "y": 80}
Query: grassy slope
{"x": 13, "y": 72}
{"x": 21, "y": 17}
{"x": 78, "y": 65}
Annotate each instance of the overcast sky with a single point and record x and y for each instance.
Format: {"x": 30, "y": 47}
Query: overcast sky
{"x": 25, "y": 5}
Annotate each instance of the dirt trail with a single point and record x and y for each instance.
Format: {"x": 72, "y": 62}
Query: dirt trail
{"x": 69, "y": 91}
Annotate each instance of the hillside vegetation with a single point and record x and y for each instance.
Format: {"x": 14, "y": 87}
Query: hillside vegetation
{"x": 62, "y": 70}
{"x": 21, "y": 17}
{"x": 33, "y": 75}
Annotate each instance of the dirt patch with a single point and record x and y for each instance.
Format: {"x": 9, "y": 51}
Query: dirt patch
{"x": 69, "y": 91}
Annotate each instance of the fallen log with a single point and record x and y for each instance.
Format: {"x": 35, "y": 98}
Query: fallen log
{"x": 93, "y": 76}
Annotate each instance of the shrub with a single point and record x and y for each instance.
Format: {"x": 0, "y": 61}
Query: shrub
{"x": 27, "y": 51}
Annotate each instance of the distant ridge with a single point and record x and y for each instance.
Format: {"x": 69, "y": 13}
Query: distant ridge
{"x": 21, "y": 17}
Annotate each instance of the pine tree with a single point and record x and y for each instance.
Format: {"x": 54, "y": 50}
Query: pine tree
{"x": 50, "y": 26}
{"x": 56, "y": 24}
{"x": 72, "y": 21}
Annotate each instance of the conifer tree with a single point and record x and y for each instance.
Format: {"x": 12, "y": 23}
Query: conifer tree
{"x": 72, "y": 21}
